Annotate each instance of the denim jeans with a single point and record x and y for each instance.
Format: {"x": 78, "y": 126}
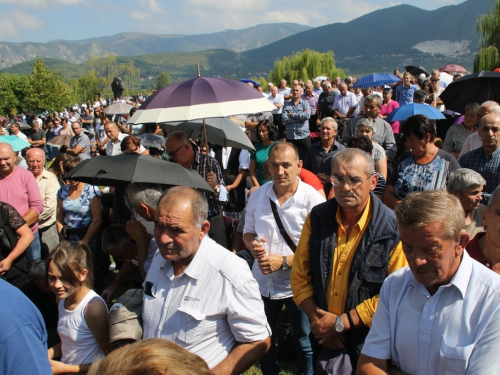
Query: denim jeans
{"x": 300, "y": 328}
{"x": 34, "y": 250}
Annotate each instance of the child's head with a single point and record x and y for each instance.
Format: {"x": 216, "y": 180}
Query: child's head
{"x": 69, "y": 267}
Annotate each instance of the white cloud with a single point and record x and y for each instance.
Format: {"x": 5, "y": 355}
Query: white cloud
{"x": 17, "y": 21}
{"x": 227, "y": 5}
{"x": 43, "y": 4}
{"x": 152, "y": 6}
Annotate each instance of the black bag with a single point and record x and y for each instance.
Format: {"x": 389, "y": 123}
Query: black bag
{"x": 8, "y": 238}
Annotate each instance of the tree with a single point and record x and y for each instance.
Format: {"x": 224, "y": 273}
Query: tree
{"x": 13, "y": 93}
{"x": 488, "y": 26}
{"x": 305, "y": 65}
{"x": 46, "y": 90}
{"x": 162, "y": 80}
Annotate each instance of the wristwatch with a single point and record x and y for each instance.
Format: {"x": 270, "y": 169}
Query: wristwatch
{"x": 217, "y": 189}
{"x": 339, "y": 326}
{"x": 284, "y": 266}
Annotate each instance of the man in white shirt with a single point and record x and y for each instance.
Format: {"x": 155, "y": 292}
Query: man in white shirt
{"x": 344, "y": 104}
{"x": 274, "y": 252}
{"x": 15, "y": 130}
{"x": 113, "y": 146}
{"x": 440, "y": 315}
{"x": 284, "y": 90}
{"x": 197, "y": 293}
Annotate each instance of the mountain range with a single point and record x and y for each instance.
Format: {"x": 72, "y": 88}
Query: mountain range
{"x": 379, "y": 41}
{"x": 135, "y": 44}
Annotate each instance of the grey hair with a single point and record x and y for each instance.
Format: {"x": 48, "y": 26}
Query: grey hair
{"x": 148, "y": 194}
{"x": 473, "y": 107}
{"x": 365, "y": 122}
{"x": 495, "y": 107}
{"x": 374, "y": 98}
{"x": 197, "y": 201}
{"x": 493, "y": 198}
{"x": 422, "y": 208}
{"x": 462, "y": 179}
{"x": 348, "y": 155}
{"x": 330, "y": 119}
{"x": 326, "y": 83}
{"x": 39, "y": 270}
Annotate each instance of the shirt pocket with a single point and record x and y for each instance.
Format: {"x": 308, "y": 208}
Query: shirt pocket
{"x": 190, "y": 325}
{"x": 454, "y": 359}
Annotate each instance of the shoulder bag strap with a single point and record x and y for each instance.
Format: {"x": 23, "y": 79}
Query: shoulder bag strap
{"x": 283, "y": 232}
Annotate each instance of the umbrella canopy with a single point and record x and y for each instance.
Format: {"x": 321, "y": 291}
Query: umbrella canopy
{"x": 198, "y": 98}
{"x": 22, "y": 125}
{"x": 246, "y": 80}
{"x": 118, "y": 109}
{"x": 376, "y": 80}
{"x": 416, "y": 70}
{"x": 60, "y": 140}
{"x": 453, "y": 68}
{"x": 405, "y": 111}
{"x": 320, "y": 78}
{"x": 220, "y": 131}
{"x": 151, "y": 140}
{"x": 477, "y": 87}
{"x": 121, "y": 169}
{"x": 448, "y": 78}
{"x": 17, "y": 143}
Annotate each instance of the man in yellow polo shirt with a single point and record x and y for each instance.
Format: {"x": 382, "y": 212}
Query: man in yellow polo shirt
{"x": 347, "y": 248}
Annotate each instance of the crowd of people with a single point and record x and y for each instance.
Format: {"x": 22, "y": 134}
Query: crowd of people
{"x": 377, "y": 242}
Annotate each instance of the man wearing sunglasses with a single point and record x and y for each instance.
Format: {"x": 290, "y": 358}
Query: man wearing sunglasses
{"x": 347, "y": 248}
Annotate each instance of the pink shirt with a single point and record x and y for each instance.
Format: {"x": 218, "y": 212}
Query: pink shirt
{"x": 386, "y": 109}
{"x": 21, "y": 191}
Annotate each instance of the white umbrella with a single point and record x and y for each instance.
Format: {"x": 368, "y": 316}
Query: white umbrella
{"x": 118, "y": 109}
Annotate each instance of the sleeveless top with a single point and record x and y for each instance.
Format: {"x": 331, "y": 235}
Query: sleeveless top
{"x": 78, "y": 343}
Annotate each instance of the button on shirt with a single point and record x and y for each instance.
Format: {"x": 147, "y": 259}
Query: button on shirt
{"x": 296, "y": 119}
{"x": 454, "y": 331}
{"x": 209, "y": 307}
{"x": 344, "y": 103}
{"x": 259, "y": 219}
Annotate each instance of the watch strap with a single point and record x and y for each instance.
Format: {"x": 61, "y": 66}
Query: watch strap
{"x": 349, "y": 318}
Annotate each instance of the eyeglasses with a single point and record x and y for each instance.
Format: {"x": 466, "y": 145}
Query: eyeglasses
{"x": 433, "y": 81}
{"x": 353, "y": 182}
{"x": 172, "y": 154}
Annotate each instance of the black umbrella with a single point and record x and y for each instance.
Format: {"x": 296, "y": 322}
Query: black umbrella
{"x": 416, "y": 70}
{"x": 122, "y": 169}
{"x": 477, "y": 87}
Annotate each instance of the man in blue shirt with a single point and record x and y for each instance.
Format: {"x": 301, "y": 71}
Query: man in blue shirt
{"x": 295, "y": 117}
{"x": 485, "y": 160}
{"x": 404, "y": 92}
{"x": 23, "y": 345}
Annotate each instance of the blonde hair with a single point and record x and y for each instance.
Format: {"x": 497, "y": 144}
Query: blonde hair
{"x": 151, "y": 357}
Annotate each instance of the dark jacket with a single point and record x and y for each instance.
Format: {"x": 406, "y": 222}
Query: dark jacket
{"x": 369, "y": 267}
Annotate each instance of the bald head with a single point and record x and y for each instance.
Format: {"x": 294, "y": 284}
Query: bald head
{"x": 112, "y": 130}
{"x": 489, "y": 107}
{"x": 183, "y": 196}
{"x": 35, "y": 158}
{"x": 7, "y": 160}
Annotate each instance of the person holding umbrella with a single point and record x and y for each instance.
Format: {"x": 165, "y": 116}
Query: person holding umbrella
{"x": 181, "y": 150}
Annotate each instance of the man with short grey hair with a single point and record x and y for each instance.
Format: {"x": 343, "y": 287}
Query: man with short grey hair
{"x": 48, "y": 185}
{"x": 348, "y": 246}
{"x": 320, "y": 155}
{"x": 473, "y": 141}
{"x": 486, "y": 159}
{"x": 440, "y": 315}
{"x": 383, "y": 134}
{"x": 325, "y": 101}
{"x": 199, "y": 295}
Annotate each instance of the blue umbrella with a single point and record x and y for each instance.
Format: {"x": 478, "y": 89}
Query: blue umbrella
{"x": 17, "y": 143}
{"x": 246, "y": 80}
{"x": 405, "y": 111}
{"x": 376, "y": 80}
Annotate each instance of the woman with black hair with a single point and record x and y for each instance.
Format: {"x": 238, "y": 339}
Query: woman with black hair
{"x": 267, "y": 134}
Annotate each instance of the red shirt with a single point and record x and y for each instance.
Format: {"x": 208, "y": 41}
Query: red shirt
{"x": 475, "y": 251}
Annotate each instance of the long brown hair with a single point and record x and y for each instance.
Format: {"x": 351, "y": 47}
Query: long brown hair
{"x": 71, "y": 258}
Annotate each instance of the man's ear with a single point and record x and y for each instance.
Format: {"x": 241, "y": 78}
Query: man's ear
{"x": 463, "y": 239}
{"x": 205, "y": 227}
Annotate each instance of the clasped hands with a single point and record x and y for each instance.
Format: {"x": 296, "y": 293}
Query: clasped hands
{"x": 268, "y": 263}
{"x": 323, "y": 329}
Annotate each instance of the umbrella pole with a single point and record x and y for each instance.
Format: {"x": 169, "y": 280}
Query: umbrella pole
{"x": 198, "y": 66}
{"x": 205, "y": 141}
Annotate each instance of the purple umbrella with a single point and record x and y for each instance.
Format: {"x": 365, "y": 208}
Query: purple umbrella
{"x": 199, "y": 98}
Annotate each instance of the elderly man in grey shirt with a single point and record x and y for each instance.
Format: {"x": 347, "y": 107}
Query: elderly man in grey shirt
{"x": 383, "y": 131}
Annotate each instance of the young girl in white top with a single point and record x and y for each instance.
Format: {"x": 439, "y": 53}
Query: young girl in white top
{"x": 83, "y": 316}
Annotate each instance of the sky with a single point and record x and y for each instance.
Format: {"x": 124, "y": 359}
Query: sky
{"x": 45, "y": 20}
